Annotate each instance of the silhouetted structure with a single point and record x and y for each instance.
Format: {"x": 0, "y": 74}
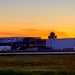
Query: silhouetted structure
{"x": 52, "y": 36}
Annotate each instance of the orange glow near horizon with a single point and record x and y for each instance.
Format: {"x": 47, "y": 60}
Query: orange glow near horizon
{"x": 16, "y": 30}
{"x": 37, "y": 18}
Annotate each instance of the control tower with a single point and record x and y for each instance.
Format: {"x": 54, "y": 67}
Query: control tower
{"x": 52, "y": 36}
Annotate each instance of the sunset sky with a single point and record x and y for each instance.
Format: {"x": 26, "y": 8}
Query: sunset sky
{"x": 37, "y": 18}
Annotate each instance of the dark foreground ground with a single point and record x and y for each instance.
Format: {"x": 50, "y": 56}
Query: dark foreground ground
{"x": 37, "y": 65}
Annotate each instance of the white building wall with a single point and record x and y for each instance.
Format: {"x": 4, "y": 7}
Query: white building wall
{"x": 49, "y": 43}
{"x": 57, "y": 44}
{"x": 60, "y": 44}
{"x": 68, "y": 43}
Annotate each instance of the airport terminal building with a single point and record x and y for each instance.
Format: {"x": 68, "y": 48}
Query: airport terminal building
{"x": 55, "y": 43}
{"x": 36, "y": 43}
{"x": 21, "y": 43}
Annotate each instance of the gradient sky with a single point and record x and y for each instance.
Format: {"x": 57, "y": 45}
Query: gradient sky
{"x": 37, "y": 18}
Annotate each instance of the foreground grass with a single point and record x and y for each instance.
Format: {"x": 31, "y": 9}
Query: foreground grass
{"x": 12, "y": 72}
{"x": 37, "y": 64}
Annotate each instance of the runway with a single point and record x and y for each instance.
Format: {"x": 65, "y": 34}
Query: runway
{"x": 37, "y": 53}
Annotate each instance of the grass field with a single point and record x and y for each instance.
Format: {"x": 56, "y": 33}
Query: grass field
{"x": 49, "y": 64}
